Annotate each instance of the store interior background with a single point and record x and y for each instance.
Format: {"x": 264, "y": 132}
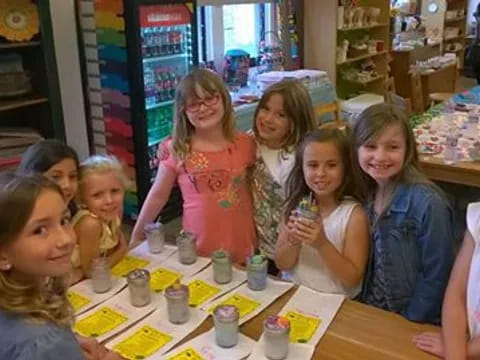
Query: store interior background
{"x": 68, "y": 59}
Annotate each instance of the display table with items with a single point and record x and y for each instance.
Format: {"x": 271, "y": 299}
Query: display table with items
{"x": 448, "y": 139}
{"x": 158, "y": 305}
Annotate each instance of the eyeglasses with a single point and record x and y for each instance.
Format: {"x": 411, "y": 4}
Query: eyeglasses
{"x": 194, "y": 107}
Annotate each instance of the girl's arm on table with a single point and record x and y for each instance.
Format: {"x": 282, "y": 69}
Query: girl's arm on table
{"x": 454, "y": 312}
{"x": 120, "y": 251}
{"x": 89, "y": 231}
{"x": 154, "y": 203}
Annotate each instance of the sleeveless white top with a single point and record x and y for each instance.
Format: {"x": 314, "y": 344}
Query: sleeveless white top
{"x": 311, "y": 271}
{"x": 473, "y": 286}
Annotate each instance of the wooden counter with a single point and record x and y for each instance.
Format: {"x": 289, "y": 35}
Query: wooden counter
{"x": 466, "y": 173}
{"x": 358, "y": 332}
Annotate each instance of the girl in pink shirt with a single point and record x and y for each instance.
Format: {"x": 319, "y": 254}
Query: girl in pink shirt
{"x": 209, "y": 160}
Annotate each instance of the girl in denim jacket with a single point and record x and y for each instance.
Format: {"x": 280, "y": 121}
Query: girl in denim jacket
{"x": 411, "y": 221}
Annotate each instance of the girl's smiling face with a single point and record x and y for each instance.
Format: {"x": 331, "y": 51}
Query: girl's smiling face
{"x": 65, "y": 174}
{"x": 272, "y": 122}
{"x": 44, "y": 246}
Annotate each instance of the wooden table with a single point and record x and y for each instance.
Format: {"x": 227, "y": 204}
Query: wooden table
{"x": 466, "y": 173}
{"x": 358, "y": 332}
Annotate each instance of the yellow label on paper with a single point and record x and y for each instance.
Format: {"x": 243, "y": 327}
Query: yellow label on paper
{"x": 201, "y": 291}
{"x": 99, "y": 322}
{"x": 127, "y": 264}
{"x": 302, "y": 327}
{"x": 187, "y": 354}
{"x": 143, "y": 343}
{"x": 76, "y": 300}
{"x": 162, "y": 278}
{"x": 243, "y": 304}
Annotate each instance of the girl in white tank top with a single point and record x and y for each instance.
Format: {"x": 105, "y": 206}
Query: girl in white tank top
{"x": 328, "y": 252}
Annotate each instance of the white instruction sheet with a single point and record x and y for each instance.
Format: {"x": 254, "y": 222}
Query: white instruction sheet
{"x": 249, "y": 302}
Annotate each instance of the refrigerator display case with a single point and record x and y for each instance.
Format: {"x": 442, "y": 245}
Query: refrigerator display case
{"x": 144, "y": 49}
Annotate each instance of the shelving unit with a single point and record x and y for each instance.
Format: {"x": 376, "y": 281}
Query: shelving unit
{"x": 41, "y": 108}
{"x": 321, "y": 44}
{"x": 458, "y": 21}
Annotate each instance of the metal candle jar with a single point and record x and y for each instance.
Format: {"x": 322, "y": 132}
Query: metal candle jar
{"x": 101, "y": 276}
{"x": 226, "y": 318}
{"x": 139, "y": 286}
{"x": 177, "y": 296}
{"x": 276, "y": 332}
{"x": 187, "y": 251}
{"x": 155, "y": 234}
{"x": 222, "y": 267}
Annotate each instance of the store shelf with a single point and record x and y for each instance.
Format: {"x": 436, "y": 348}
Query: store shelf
{"x": 164, "y": 57}
{"x": 380, "y": 77}
{"x": 164, "y": 103}
{"x": 361, "y": 57}
{"x": 447, "y": 21}
{"x": 17, "y": 45}
{"x": 364, "y": 27}
{"x": 6, "y": 105}
{"x": 452, "y": 38}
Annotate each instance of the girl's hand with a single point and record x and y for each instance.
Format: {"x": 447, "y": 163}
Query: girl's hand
{"x": 430, "y": 342}
{"x": 91, "y": 349}
{"x": 292, "y": 238}
{"x": 308, "y": 231}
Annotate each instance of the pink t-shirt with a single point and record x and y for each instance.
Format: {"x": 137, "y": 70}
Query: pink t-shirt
{"x": 217, "y": 202}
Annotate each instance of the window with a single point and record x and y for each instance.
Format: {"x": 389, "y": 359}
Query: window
{"x": 240, "y": 26}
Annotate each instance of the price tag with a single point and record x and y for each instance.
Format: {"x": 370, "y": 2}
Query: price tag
{"x": 302, "y": 327}
{"x": 244, "y": 305}
{"x": 127, "y": 264}
{"x": 187, "y": 354}
{"x": 162, "y": 278}
{"x": 77, "y": 301}
{"x": 201, "y": 291}
{"x": 143, "y": 343}
{"x": 99, "y": 322}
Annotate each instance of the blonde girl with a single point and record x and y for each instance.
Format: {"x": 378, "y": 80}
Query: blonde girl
{"x": 328, "y": 254}
{"x": 36, "y": 242}
{"x": 283, "y": 116}
{"x": 98, "y": 222}
{"x": 209, "y": 160}
{"x": 410, "y": 218}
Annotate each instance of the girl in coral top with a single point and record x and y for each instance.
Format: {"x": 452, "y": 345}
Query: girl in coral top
{"x": 209, "y": 160}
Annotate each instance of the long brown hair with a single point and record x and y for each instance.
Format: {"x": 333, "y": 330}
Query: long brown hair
{"x": 298, "y": 108}
{"x": 18, "y": 195}
{"x": 296, "y": 186}
{"x": 188, "y": 88}
{"x": 369, "y": 124}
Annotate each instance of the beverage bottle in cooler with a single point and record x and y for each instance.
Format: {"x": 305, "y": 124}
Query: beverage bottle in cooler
{"x": 144, "y": 44}
{"x": 164, "y": 40}
{"x": 171, "y": 41}
{"x": 173, "y": 84}
{"x": 159, "y": 84}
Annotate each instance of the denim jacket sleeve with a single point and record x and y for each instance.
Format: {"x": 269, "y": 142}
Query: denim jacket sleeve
{"x": 436, "y": 249}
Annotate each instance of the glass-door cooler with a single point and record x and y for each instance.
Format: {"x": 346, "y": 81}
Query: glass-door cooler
{"x": 162, "y": 44}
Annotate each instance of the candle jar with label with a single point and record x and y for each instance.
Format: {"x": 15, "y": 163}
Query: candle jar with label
{"x": 276, "y": 332}
{"x": 177, "y": 296}
{"x": 257, "y": 267}
{"x": 139, "y": 286}
{"x": 225, "y": 318}
{"x": 222, "y": 267}
{"x": 187, "y": 251}
{"x": 155, "y": 234}
{"x": 101, "y": 275}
